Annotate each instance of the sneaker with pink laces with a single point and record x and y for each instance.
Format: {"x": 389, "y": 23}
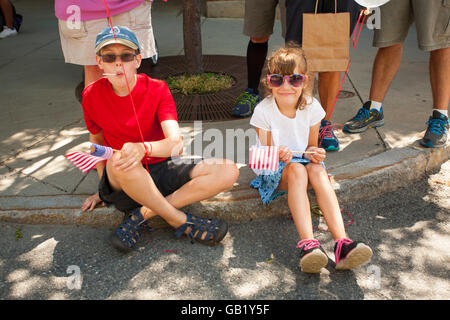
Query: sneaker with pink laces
{"x": 312, "y": 256}
{"x": 349, "y": 254}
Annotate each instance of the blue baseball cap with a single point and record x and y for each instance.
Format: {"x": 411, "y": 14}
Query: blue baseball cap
{"x": 123, "y": 35}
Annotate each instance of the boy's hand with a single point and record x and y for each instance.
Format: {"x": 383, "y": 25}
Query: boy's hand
{"x": 285, "y": 154}
{"x": 318, "y": 156}
{"x": 91, "y": 202}
{"x": 130, "y": 156}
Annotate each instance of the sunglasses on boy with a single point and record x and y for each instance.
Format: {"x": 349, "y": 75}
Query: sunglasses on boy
{"x": 276, "y": 80}
{"x": 124, "y": 57}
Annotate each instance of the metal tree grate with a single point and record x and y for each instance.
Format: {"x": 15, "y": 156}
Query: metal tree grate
{"x": 214, "y": 106}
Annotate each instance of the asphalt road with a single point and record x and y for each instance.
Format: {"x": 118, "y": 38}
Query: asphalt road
{"x": 408, "y": 231}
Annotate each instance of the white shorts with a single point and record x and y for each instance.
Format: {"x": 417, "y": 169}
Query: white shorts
{"x": 78, "y": 44}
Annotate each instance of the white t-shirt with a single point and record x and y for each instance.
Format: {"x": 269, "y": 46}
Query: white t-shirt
{"x": 293, "y": 133}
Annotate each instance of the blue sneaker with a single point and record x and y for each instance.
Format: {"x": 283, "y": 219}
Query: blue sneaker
{"x": 246, "y": 103}
{"x": 436, "y": 134}
{"x": 327, "y": 138}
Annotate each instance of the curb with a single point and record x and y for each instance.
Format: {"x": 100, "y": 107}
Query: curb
{"x": 364, "y": 179}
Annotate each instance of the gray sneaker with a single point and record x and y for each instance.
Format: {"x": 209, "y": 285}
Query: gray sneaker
{"x": 365, "y": 118}
{"x": 436, "y": 134}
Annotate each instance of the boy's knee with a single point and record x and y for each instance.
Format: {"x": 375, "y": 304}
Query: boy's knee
{"x": 118, "y": 174}
{"x": 229, "y": 172}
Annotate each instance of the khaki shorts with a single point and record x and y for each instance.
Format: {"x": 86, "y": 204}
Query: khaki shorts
{"x": 78, "y": 44}
{"x": 259, "y": 17}
{"x": 432, "y": 19}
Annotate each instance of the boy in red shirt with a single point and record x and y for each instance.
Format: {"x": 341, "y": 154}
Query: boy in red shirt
{"x": 115, "y": 120}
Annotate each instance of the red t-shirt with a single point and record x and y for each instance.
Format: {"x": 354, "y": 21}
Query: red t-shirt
{"x": 105, "y": 111}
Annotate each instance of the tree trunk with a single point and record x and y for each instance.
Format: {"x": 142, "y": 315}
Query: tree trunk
{"x": 192, "y": 34}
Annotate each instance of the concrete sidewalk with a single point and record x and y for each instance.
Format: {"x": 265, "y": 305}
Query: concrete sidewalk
{"x": 42, "y": 121}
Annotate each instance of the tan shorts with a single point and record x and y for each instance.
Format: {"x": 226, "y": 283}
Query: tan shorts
{"x": 259, "y": 17}
{"x": 432, "y": 18}
{"x": 78, "y": 44}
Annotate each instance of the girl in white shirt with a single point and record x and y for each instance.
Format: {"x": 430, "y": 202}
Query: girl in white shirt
{"x": 290, "y": 119}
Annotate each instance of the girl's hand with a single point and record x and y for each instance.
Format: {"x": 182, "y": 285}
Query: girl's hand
{"x": 318, "y": 156}
{"x": 91, "y": 202}
{"x": 285, "y": 154}
{"x": 130, "y": 156}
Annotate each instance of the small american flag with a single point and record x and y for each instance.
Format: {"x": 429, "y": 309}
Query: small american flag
{"x": 86, "y": 162}
{"x": 264, "y": 158}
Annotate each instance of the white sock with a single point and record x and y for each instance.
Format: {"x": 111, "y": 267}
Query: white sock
{"x": 375, "y": 105}
{"x": 444, "y": 112}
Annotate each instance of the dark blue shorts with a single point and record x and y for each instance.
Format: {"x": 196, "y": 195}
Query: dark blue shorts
{"x": 167, "y": 175}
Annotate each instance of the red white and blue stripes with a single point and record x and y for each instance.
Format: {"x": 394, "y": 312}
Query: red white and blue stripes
{"x": 86, "y": 162}
{"x": 264, "y": 158}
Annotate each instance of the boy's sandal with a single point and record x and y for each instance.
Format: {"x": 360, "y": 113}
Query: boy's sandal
{"x": 207, "y": 231}
{"x": 125, "y": 237}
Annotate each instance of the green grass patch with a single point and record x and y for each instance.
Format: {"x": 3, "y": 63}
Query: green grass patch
{"x": 199, "y": 83}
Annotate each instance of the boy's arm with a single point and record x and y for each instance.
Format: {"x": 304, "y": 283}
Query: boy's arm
{"x": 98, "y": 139}
{"x": 92, "y": 201}
{"x": 171, "y": 145}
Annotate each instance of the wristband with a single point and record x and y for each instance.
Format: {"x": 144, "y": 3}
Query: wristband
{"x": 147, "y": 152}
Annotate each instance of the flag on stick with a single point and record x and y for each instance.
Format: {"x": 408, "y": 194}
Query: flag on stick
{"x": 86, "y": 162}
{"x": 264, "y": 158}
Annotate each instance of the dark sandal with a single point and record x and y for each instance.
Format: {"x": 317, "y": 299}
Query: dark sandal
{"x": 207, "y": 231}
{"x": 125, "y": 237}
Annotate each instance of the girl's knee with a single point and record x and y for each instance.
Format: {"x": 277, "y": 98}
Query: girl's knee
{"x": 296, "y": 170}
{"x": 315, "y": 171}
{"x": 315, "y": 167}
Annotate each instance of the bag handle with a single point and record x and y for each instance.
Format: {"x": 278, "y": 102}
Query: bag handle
{"x": 335, "y": 6}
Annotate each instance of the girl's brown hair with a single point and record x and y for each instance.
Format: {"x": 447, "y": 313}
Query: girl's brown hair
{"x": 284, "y": 61}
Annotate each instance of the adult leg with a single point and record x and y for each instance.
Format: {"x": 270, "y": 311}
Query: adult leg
{"x": 328, "y": 89}
{"x": 258, "y": 25}
{"x": 438, "y": 124}
{"x": 256, "y": 57}
{"x": 396, "y": 18}
{"x": 440, "y": 77}
{"x": 385, "y": 67}
{"x": 432, "y": 24}
{"x": 7, "y": 10}
{"x": 91, "y": 74}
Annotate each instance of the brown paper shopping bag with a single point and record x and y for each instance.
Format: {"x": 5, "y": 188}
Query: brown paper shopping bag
{"x": 326, "y": 40}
